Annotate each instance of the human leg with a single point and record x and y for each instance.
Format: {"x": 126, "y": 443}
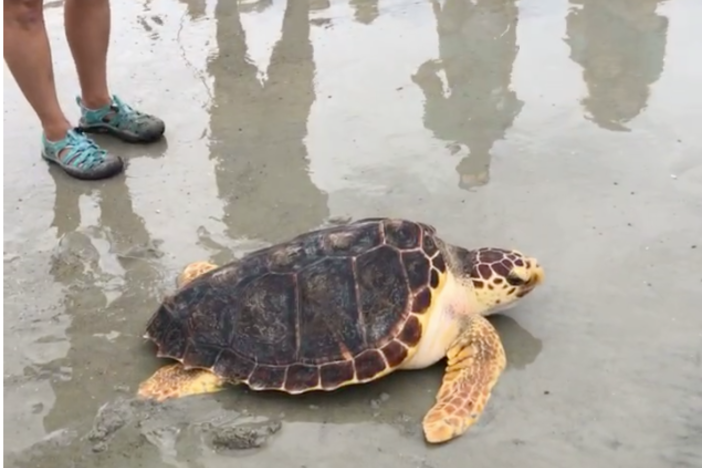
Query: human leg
{"x": 28, "y": 56}
{"x": 87, "y": 24}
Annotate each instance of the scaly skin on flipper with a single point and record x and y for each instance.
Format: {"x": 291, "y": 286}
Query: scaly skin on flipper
{"x": 192, "y": 271}
{"x": 174, "y": 380}
{"x": 475, "y": 362}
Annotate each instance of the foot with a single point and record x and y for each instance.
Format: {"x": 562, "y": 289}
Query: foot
{"x": 122, "y": 121}
{"x": 80, "y": 157}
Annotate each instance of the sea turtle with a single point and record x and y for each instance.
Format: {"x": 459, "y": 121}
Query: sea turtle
{"x": 339, "y": 306}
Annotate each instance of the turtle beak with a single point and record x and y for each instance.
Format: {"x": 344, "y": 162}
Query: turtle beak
{"x": 537, "y": 277}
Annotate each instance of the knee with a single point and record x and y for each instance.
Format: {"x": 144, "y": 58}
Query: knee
{"x": 23, "y": 13}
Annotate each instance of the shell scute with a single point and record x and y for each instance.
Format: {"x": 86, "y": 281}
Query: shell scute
{"x": 402, "y": 234}
{"x": 421, "y": 301}
{"x": 346, "y": 242}
{"x": 309, "y": 248}
{"x": 233, "y": 366}
{"x": 263, "y": 320}
{"x": 202, "y": 355}
{"x": 439, "y": 263}
{"x": 383, "y": 292}
{"x": 335, "y": 374}
{"x": 329, "y": 312}
{"x": 417, "y": 268}
{"x": 265, "y": 376}
{"x": 213, "y": 324}
{"x": 369, "y": 364}
{"x": 434, "y": 279}
{"x": 161, "y": 321}
{"x": 412, "y": 331}
{"x": 301, "y": 377}
{"x": 236, "y": 273}
{"x": 429, "y": 244}
{"x": 173, "y": 341}
{"x": 395, "y": 353}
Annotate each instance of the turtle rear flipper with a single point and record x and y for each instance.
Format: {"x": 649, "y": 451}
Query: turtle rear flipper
{"x": 192, "y": 271}
{"x": 175, "y": 381}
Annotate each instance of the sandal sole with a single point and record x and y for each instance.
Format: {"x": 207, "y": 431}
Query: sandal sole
{"x": 126, "y": 137}
{"x": 82, "y": 175}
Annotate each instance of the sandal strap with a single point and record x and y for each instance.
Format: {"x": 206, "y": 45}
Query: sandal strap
{"x": 117, "y": 114}
{"x": 78, "y": 151}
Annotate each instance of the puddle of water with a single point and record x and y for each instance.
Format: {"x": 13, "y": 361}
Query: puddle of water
{"x": 568, "y": 130}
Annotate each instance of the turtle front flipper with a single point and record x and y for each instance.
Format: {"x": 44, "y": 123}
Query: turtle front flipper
{"x": 192, "y": 271}
{"x": 175, "y": 381}
{"x": 475, "y": 361}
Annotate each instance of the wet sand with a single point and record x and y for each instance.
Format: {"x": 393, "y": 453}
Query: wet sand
{"x": 568, "y": 130}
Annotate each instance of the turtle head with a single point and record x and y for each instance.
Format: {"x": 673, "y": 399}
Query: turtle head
{"x": 501, "y": 277}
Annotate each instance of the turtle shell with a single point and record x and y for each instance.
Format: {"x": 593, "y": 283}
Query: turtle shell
{"x": 328, "y": 308}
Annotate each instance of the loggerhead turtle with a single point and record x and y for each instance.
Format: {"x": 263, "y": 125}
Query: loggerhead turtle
{"x": 339, "y": 306}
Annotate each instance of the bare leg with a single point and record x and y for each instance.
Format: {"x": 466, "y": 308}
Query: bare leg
{"x": 87, "y": 25}
{"x": 28, "y": 56}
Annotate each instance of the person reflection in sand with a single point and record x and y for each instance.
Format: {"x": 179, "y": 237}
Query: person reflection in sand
{"x": 477, "y": 49}
{"x": 110, "y": 275}
{"x": 365, "y": 11}
{"x": 258, "y": 129}
{"x": 195, "y": 9}
{"x": 621, "y": 47}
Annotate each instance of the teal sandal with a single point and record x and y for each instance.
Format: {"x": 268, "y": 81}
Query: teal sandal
{"x": 122, "y": 121}
{"x": 80, "y": 157}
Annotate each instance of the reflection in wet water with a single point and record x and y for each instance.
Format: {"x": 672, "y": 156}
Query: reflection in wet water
{"x": 195, "y": 9}
{"x": 621, "y": 46}
{"x": 365, "y": 11}
{"x": 254, "y": 6}
{"x": 109, "y": 270}
{"x": 477, "y": 49}
{"x": 259, "y": 129}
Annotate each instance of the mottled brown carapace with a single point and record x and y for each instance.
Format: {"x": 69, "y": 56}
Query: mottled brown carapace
{"x": 329, "y": 308}
{"x": 344, "y": 305}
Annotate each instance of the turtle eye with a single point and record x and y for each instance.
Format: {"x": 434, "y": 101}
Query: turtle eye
{"x": 515, "y": 280}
